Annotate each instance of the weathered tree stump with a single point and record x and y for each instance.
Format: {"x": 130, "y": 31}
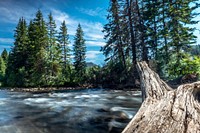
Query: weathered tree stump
{"x": 165, "y": 110}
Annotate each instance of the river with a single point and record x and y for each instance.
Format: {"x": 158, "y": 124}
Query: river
{"x": 85, "y": 111}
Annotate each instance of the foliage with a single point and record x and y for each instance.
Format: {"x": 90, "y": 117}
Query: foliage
{"x": 41, "y": 58}
{"x": 63, "y": 39}
{"x": 195, "y": 50}
{"x": 157, "y": 30}
{"x": 93, "y": 75}
{"x": 53, "y": 57}
{"x": 18, "y": 56}
{"x": 4, "y": 55}
{"x": 39, "y": 42}
{"x": 188, "y": 65}
{"x": 2, "y": 70}
{"x": 79, "y": 54}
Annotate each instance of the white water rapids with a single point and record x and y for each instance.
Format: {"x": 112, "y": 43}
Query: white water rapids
{"x": 85, "y": 111}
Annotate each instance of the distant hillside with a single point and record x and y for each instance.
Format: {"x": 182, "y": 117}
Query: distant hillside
{"x": 195, "y": 49}
{"x": 90, "y": 64}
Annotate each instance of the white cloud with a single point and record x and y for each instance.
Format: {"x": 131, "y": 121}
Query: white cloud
{"x": 92, "y": 12}
{"x": 95, "y": 36}
{"x": 60, "y": 16}
{"x": 6, "y": 40}
{"x": 92, "y": 30}
{"x": 12, "y": 16}
{"x": 92, "y": 54}
{"x": 95, "y": 43}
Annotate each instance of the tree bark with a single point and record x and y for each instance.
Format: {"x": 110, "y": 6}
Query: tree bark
{"x": 165, "y": 110}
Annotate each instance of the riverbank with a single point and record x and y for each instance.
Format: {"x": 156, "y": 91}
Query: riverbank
{"x": 43, "y": 89}
{"x": 71, "y": 88}
{"x": 61, "y": 89}
{"x": 172, "y": 84}
{"x": 83, "y": 87}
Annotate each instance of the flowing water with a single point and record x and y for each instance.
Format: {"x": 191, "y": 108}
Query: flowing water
{"x": 85, "y": 111}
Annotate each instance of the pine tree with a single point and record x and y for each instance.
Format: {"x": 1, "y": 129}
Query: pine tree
{"x": 79, "y": 54}
{"x": 29, "y": 68}
{"x": 181, "y": 14}
{"x": 4, "y": 55}
{"x": 168, "y": 32}
{"x": 133, "y": 24}
{"x": 139, "y": 9}
{"x": 52, "y": 35}
{"x": 151, "y": 20}
{"x": 117, "y": 49}
{"x": 54, "y": 53}
{"x": 2, "y": 70}
{"x": 39, "y": 41}
{"x": 157, "y": 30}
{"x": 3, "y": 64}
{"x": 114, "y": 46}
{"x": 63, "y": 39}
{"x": 15, "y": 72}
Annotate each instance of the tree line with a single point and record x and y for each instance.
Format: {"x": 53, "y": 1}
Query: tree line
{"x": 41, "y": 55}
{"x": 159, "y": 32}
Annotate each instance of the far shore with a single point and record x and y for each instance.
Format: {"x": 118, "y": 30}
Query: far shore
{"x": 172, "y": 84}
{"x": 57, "y": 89}
{"x": 74, "y": 88}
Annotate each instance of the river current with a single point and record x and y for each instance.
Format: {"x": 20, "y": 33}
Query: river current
{"x": 85, "y": 111}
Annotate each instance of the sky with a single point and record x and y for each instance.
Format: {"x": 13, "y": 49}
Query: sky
{"x": 91, "y": 14}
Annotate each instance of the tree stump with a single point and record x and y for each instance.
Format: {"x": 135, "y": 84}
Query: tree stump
{"x": 165, "y": 110}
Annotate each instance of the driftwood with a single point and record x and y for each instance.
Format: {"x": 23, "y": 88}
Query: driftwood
{"x": 165, "y": 110}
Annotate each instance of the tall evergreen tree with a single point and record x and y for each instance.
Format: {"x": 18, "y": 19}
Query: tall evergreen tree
{"x": 51, "y": 25}
{"x": 158, "y": 29}
{"x": 117, "y": 49}
{"x": 54, "y": 53}
{"x": 79, "y": 54}
{"x": 29, "y": 68}
{"x": 114, "y": 48}
{"x": 4, "y": 55}
{"x": 133, "y": 24}
{"x": 15, "y": 71}
{"x": 39, "y": 41}
{"x": 2, "y": 70}
{"x": 181, "y": 14}
{"x": 63, "y": 39}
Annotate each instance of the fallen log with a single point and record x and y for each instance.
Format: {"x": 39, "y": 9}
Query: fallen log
{"x": 165, "y": 110}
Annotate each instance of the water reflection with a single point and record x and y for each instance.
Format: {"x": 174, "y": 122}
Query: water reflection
{"x": 91, "y": 111}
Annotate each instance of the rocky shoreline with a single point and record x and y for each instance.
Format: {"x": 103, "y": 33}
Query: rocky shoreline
{"x": 57, "y": 89}
{"x": 44, "y": 89}
{"x": 172, "y": 84}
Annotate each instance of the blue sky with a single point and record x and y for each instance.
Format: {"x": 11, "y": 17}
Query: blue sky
{"x": 91, "y": 14}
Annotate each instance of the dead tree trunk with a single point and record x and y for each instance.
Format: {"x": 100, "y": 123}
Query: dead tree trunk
{"x": 165, "y": 110}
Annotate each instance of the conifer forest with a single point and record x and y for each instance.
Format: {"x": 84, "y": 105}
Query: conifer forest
{"x": 159, "y": 32}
